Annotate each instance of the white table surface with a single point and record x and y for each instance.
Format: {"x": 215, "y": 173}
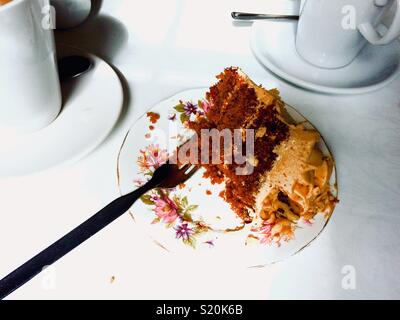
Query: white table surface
{"x": 161, "y": 48}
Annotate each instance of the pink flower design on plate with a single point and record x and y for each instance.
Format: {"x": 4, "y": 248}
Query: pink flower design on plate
{"x": 206, "y": 105}
{"x": 152, "y": 157}
{"x": 265, "y": 231}
{"x": 308, "y": 222}
{"x": 183, "y": 231}
{"x": 190, "y": 108}
{"x": 166, "y": 209}
{"x": 172, "y": 117}
{"x": 139, "y": 182}
{"x": 210, "y": 243}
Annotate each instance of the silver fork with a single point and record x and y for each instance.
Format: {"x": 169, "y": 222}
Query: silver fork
{"x": 167, "y": 176}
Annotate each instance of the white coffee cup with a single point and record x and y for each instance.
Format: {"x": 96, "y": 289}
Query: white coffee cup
{"x": 30, "y": 95}
{"x": 331, "y": 33}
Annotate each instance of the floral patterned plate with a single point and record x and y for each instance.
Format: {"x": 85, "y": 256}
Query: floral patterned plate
{"x": 192, "y": 217}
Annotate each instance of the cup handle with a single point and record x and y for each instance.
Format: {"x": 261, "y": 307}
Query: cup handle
{"x": 370, "y": 33}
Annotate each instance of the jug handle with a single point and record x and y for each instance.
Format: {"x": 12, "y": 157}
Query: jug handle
{"x": 371, "y": 34}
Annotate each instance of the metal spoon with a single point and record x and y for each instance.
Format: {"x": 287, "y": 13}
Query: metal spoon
{"x": 73, "y": 66}
{"x": 259, "y": 16}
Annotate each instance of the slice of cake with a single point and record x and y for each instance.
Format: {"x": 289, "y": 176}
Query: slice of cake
{"x": 290, "y": 176}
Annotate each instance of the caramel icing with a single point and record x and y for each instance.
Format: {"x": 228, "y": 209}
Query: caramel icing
{"x": 297, "y": 186}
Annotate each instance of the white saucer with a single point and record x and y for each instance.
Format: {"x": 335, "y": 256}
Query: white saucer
{"x": 92, "y": 106}
{"x": 273, "y": 44}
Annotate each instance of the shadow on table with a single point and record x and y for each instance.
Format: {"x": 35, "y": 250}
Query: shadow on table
{"x": 242, "y": 23}
{"x": 103, "y": 36}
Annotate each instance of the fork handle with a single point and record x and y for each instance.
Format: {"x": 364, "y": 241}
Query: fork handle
{"x": 70, "y": 241}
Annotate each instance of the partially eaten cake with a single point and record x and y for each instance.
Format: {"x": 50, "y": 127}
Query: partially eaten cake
{"x": 290, "y": 179}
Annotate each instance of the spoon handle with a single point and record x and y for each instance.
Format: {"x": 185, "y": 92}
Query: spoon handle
{"x": 259, "y": 16}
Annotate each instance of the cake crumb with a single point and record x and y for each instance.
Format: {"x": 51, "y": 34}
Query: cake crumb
{"x": 151, "y": 128}
{"x": 153, "y": 117}
{"x": 112, "y": 280}
{"x": 261, "y": 132}
{"x": 208, "y": 192}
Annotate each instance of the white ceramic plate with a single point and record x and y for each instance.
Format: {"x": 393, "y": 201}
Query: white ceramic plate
{"x": 92, "y": 106}
{"x": 211, "y": 209}
{"x": 273, "y": 44}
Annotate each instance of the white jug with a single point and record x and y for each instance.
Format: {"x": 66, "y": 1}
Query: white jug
{"x": 331, "y": 33}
